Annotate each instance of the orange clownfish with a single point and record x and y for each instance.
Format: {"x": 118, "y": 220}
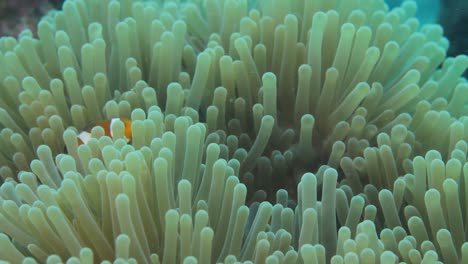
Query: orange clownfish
{"x": 85, "y": 135}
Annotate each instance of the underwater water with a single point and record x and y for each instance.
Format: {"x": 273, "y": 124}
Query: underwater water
{"x": 428, "y": 10}
{"x": 452, "y": 15}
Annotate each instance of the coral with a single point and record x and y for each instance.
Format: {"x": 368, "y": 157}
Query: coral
{"x": 284, "y": 132}
{"x": 16, "y": 16}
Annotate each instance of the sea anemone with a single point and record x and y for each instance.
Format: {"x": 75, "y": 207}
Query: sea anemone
{"x": 281, "y": 132}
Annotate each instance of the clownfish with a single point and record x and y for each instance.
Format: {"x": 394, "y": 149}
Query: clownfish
{"x": 85, "y": 135}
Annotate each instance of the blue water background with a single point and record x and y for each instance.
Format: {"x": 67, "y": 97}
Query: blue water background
{"x": 428, "y": 10}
